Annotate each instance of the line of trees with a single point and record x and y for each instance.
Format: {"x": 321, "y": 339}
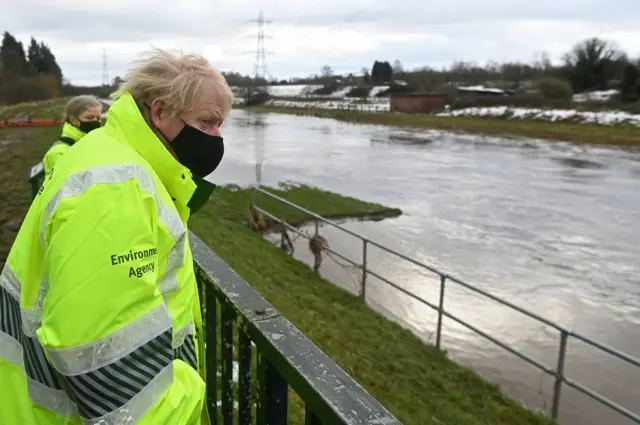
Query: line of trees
{"x": 593, "y": 64}
{"x": 27, "y": 76}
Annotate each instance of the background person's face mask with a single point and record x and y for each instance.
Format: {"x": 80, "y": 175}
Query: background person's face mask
{"x": 89, "y": 126}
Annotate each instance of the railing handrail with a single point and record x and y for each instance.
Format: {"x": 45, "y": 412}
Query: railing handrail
{"x": 565, "y": 332}
{"x": 329, "y": 393}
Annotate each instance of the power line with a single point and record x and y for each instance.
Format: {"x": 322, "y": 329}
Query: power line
{"x": 260, "y": 66}
{"x": 105, "y": 70}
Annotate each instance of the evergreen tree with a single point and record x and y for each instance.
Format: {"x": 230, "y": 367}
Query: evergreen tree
{"x": 12, "y": 56}
{"x": 49, "y": 64}
{"x": 629, "y": 85}
{"x": 35, "y": 56}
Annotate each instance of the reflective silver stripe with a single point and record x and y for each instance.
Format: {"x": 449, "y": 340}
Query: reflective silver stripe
{"x": 57, "y": 401}
{"x": 59, "y": 142}
{"x": 10, "y": 282}
{"x": 136, "y": 408}
{"x": 31, "y": 321}
{"x": 32, "y": 318}
{"x": 180, "y": 335}
{"x": 11, "y": 350}
{"x": 92, "y": 356}
{"x": 77, "y": 184}
{"x": 43, "y": 386}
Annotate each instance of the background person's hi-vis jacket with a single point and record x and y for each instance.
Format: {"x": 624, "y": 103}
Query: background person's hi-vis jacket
{"x": 98, "y": 299}
{"x": 70, "y": 135}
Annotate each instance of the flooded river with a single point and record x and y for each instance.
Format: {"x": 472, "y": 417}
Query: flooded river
{"x": 551, "y": 227}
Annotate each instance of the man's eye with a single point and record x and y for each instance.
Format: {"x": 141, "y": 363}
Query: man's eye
{"x": 210, "y": 123}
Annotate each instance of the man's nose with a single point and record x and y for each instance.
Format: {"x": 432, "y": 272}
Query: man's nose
{"x": 215, "y": 131}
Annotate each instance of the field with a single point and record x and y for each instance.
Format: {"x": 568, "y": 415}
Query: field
{"x": 623, "y": 135}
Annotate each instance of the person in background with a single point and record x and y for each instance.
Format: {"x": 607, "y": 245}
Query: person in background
{"x": 99, "y": 302}
{"x": 83, "y": 116}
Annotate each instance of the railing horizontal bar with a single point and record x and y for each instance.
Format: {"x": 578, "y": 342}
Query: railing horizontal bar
{"x": 334, "y": 224}
{"x": 294, "y": 229}
{"x": 513, "y": 351}
{"x": 409, "y": 259}
{"x": 404, "y": 291}
{"x": 509, "y": 304}
{"x": 306, "y": 211}
{"x": 598, "y": 397}
{"x": 604, "y": 347}
{"x": 342, "y": 257}
{"x": 325, "y": 388}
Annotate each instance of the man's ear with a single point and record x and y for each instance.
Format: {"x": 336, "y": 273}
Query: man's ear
{"x": 157, "y": 110}
{"x": 74, "y": 120}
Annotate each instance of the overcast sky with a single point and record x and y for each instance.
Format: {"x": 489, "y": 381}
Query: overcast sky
{"x": 305, "y": 35}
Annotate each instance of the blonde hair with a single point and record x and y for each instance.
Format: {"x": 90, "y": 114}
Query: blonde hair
{"x": 79, "y": 103}
{"x": 176, "y": 78}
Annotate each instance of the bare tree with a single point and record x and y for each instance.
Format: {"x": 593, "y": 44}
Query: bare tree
{"x": 327, "y": 71}
{"x": 592, "y": 63}
{"x": 397, "y": 67}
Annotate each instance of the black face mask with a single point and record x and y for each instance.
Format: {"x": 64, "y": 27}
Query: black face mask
{"x": 198, "y": 151}
{"x": 89, "y": 126}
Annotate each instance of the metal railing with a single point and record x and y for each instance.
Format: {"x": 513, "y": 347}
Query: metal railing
{"x": 284, "y": 358}
{"x": 564, "y": 333}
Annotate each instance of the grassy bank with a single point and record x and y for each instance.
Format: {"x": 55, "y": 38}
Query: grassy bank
{"x": 620, "y": 136}
{"x": 413, "y": 380}
{"x": 20, "y": 148}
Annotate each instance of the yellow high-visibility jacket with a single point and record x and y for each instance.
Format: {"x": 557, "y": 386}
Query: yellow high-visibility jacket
{"x": 99, "y": 312}
{"x": 70, "y": 135}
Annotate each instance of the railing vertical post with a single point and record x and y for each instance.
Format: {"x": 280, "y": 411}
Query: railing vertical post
{"x": 443, "y": 281}
{"x": 364, "y": 270}
{"x": 272, "y": 394}
{"x": 244, "y": 378}
{"x": 310, "y": 418}
{"x": 562, "y": 355}
{"x": 227, "y": 364}
{"x": 284, "y": 226}
{"x": 211, "y": 351}
{"x": 253, "y": 197}
{"x": 316, "y": 224}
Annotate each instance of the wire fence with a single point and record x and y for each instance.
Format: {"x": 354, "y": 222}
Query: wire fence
{"x": 564, "y": 334}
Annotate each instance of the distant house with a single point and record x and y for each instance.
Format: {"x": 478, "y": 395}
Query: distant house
{"x": 482, "y": 91}
{"x": 417, "y": 102}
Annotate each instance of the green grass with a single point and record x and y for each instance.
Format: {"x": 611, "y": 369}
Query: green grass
{"x": 414, "y": 381}
{"x": 620, "y": 136}
{"x": 314, "y": 199}
{"x": 20, "y": 148}
{"x": 52, "y": 108}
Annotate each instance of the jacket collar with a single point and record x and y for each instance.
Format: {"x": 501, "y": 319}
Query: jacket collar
{"x": 72, "y": 132}
{"x": 126, "y": 123}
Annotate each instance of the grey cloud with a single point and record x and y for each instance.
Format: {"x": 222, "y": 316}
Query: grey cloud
{"x": 457, "y": 29}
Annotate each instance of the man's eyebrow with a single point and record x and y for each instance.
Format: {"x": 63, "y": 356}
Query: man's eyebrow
{"x": 210, "y": 114}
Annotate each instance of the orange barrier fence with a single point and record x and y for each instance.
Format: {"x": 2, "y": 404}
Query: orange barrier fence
{"x": 31, "y": 123}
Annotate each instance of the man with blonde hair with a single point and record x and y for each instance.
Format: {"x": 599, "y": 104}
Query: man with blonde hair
{"x": 99, "y": 308}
